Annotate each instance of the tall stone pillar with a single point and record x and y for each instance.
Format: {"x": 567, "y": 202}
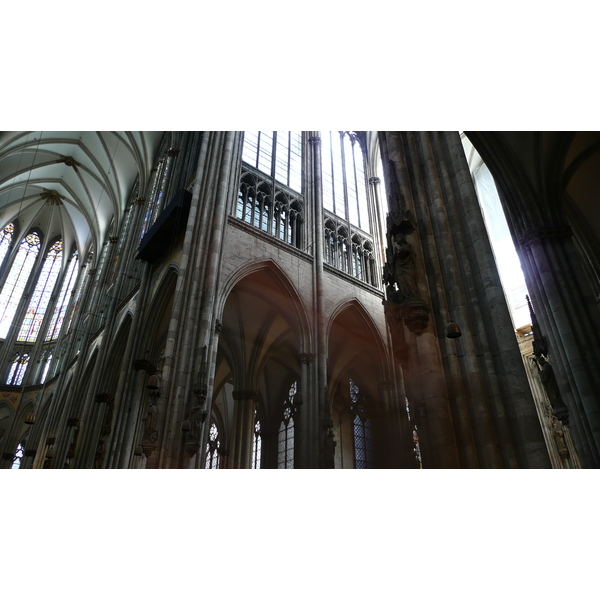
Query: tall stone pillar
{"x": 243, "y": 429}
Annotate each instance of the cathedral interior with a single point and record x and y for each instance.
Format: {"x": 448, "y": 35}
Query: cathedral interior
{"x": 296, "y": 299}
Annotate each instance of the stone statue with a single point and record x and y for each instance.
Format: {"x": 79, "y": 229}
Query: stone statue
{"x": 400, "y": 270}
{"x": 548, "y": 379}
{"x": 559, "y": 437}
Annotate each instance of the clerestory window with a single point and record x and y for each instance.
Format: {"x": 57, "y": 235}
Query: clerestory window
{"x": 64, "y": 297}
{"x": 5, "y": 240}
{"x": 277, "y": 154}
{"x": 344, "y": 183}
{"x": 41, "y": 294}
{"x": 17, "y": 279}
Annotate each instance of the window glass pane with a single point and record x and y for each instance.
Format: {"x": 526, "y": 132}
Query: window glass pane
{"x": 361, "y": 188}
{"x": 41, "y": 295}
{"x": 63, "y": 299}
{"x": 17, "y": 280}
{"x": 5, "y": 240}
{"x": 351, "y": 181}
{"x": 282, "y": 157}
{"x": 295, "y": 181}
{"x": 265, "y": 151}
{"x": 250, "y": 149}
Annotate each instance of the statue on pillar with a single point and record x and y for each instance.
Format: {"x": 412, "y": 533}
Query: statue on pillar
{"x": 403, "y": 302}
{"x": 548, "y": 379}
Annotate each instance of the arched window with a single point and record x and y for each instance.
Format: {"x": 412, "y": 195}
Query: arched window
{"x": 16, "y": 463}
{"x": 256, "y": 446}
{"x": 63, "y": 299}
{"x": 41, "y": 295}
{"x": 285, "y": 438}
{"x": 362, "y": 429}
{"x": 276, "y": 153}
{"x": 344, "y": 183}
{"x": 17, "y": 280}
{"x": 5, "y": 240}
{"x": 212, "y": 448}
{"x": 17, "y": 370}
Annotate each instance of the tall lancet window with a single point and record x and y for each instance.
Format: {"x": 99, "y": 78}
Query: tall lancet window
{"x": 212, "y": 448}
{"x": 256, "y": 446}
{"x": 63, "y": 299}
{"x": 363, "y": 430}
{"x": 285, "y": 438}
{"x": 276, "y": 153}
{"x": 17, "y": 280}
{"x": 344, "y": 183}
{"x": 17, "y": 371}
{"x": 41, "y": 295}
{"x": 5, "y": 240}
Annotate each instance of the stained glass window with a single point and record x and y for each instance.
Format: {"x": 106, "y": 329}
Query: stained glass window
{"x": 285, "y": 438}
{"x": 16, "y": 463}
{"x": 212, "y": 448}
{"x": 286, "y": 146}
{"x": 417, "y": 447}
{"x": 41, "y": 295}
{"x": 17, "y": 280}
{"x": 63, "y": 299}
{"x": 256, "y": 447}
{"x": 344, "y": 183}
{"x": 5, "y": 240}
{"x": 362, "y": 429}
{"x": 17, "y": 370}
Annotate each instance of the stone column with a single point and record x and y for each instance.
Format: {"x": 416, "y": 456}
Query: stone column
{"x": 243, "y": 429}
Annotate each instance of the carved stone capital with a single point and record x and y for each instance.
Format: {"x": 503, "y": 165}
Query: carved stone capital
{"x": 113, "y": 239}
{"x": 139, "y": 201}
{"x": 306, "y": 359}
{"x": 245, "y": 395}
{"x": 73, "y": 422}
{"x": 30, "y": 453}
{"x": 314, "y": 140}
{"x": 92, "y": 272}
{"x": 374, "y": 180}
{"x": 173, "y": 152}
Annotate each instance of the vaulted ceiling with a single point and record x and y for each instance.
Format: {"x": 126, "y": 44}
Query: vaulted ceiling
{"x": 74, "y": 183}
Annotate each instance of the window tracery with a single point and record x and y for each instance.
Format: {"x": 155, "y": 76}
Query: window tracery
{"x": 362, "y": 429}
{"x": 212, "y": 448}
{"x": 269, "y": 195}
{"x": 285, "y": 437}
{"x": 352, "y": 254}
{"x": 17, "y": 279}
{"x": 277, "y": 154}
{"x": 17, "y": 370}
{"x": 5, "y": 240}
{"x": 63, "y": 299}
{"x": 344, "y": 183}
{"x": 16, "y": 463}
{"x": 41, "y": 294}
{"x": 256, "y": 446}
